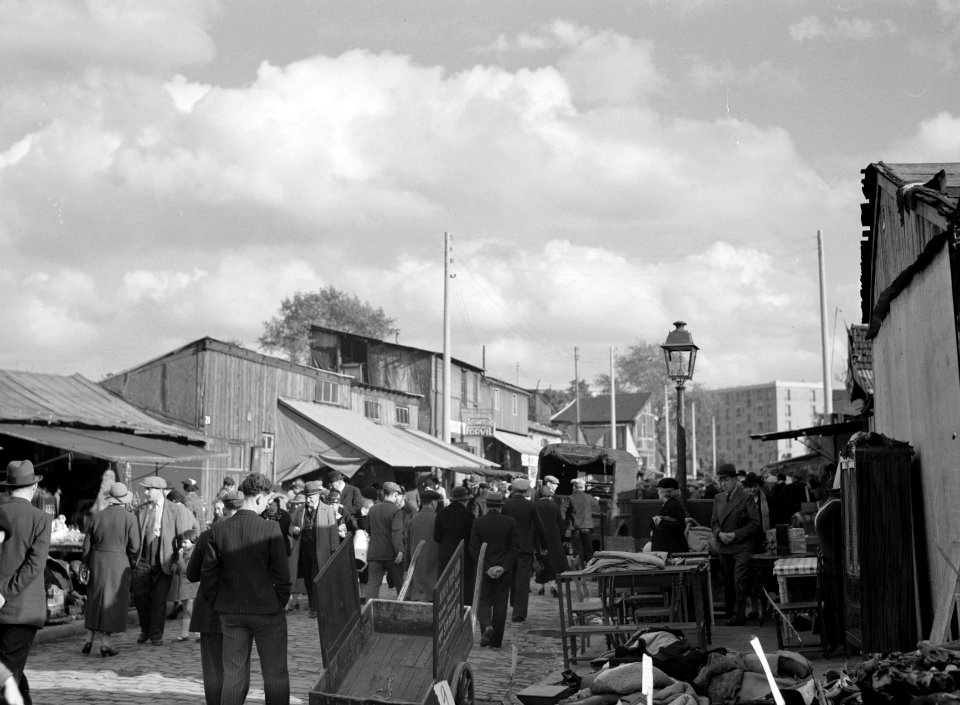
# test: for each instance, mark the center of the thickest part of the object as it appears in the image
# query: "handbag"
(83, 574)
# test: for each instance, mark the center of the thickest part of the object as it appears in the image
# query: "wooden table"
(607, 590)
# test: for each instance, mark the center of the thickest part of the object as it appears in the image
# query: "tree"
(289, 330)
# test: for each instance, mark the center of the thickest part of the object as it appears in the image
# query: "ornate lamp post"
(680, 353)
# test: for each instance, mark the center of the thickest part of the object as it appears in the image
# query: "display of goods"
(900, 677)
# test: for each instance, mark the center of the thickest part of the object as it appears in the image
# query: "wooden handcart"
(392, 651)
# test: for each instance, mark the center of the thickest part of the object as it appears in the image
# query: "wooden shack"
(910, 291)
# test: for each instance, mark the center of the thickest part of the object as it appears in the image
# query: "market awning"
(522, 444)
(115, 446)
(487, 468)
(830, 429)
(313, 434)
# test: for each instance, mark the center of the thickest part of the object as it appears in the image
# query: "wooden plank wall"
(167, 387)
(917, 398)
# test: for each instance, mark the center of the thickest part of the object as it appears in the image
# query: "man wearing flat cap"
(531, 533)
(421, 529)
(499, 532)
(581, 519)
(22, 561)
(161, 520)
(313, 530)
(386, 551)
(734, 522)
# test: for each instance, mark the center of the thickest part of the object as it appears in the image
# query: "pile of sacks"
(929, 675)
(725, 677)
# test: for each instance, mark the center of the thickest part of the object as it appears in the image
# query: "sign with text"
(447, 612)
(479, 425)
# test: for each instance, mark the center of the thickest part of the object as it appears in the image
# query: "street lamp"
(680, 353)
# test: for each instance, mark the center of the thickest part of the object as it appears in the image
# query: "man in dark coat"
(734, 523)
(452, 526)
(422, 528)
(22, 561)
(554, 526)
(351, 501)
(246, 578)
(530, 529)
(499, 532)
(668, 525)
(194, 503)
(205, 620)
(581, 518)
(385, 552)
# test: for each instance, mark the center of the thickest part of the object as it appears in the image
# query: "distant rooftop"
(597, 409)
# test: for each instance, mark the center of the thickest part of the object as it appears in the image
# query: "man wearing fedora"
(351, 501)
(313, 528)
(161, 521)
(500, 534)
(734, 522)
(22, 561)
(452, 526)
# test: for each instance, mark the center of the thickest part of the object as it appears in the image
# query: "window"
(403, 415)
(788, 395)
(266, 442)
(463, 386)
(496, 400)
(328, 392)
(788, 409)
(515, 404)
(371, 409)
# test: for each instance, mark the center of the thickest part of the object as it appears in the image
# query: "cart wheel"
(463, 688)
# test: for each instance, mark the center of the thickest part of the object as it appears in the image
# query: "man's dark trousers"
(736, 570)
(211, 663)
(15, 642)
(492, 605)
(269, 631)
(520, 588)
(150, 587)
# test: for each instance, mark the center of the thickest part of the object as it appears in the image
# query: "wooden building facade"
(910, 277)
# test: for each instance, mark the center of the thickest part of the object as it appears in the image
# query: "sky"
(173, 170)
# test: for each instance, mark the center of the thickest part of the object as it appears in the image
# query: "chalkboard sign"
(447, 612)
(338, 599)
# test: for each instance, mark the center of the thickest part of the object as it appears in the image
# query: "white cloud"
(936, 139)
(841, 29)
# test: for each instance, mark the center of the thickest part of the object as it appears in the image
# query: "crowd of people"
(745, 508)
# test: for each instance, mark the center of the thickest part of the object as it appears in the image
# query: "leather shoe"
(107, 652)
(487, 637)
(143, 638)
(86, 647)
(518, 619)
(736, 622)
(157, 642)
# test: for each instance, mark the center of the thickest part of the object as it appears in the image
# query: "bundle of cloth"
(726, 677)
(624, 560)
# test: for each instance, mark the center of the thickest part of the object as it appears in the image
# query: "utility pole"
(827, 382)
(613, 405)
(576, 387)
(445, 406)
(693, 429)
(666, 429)
(713, 433)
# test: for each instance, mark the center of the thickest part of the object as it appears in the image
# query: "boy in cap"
(385, 552)
(499, 532)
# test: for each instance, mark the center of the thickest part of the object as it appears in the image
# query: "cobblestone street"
(60, 675)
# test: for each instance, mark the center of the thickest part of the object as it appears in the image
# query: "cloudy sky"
(172, 170)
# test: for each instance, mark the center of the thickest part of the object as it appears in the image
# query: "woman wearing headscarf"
(668, 525)
(109, 549)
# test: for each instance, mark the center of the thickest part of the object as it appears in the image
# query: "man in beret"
(499, 532)
(734, 522)
(313, 528)
(531, 532)
(452, 527)
(385, 552)
(161, 521)
(351, 501)
(421, 529)
(22, 562)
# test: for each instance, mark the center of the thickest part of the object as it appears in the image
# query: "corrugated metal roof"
(597, 409)
(38, 398)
